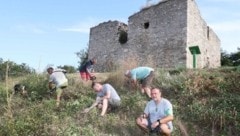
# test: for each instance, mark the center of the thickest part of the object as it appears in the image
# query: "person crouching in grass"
(157, 116)
(58, 82)
(107, 97)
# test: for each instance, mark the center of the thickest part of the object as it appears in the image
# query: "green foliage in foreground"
(206, 102)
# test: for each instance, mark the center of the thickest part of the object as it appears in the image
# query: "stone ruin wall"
(199, 33)
(105, 46)
(158, 36)
(163, 42)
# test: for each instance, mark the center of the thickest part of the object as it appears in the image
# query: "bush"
(36, 85)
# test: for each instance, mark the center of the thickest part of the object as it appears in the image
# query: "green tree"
(225, 59)
(235, 57)
(14, 69)
(232, 59)
(83, 56)
(69, 69)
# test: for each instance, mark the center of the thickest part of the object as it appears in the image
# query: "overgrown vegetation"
(68, 68)
(82, 55)
(232, 59)
(14, 69)
(206, 102)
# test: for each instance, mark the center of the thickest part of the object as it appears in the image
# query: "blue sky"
(43, 32)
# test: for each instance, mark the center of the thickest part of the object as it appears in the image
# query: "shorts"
(114, 103)
(157, 129)
(146, 82)
(60, 89)
(85, 76)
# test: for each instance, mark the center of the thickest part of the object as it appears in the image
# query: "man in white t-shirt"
(57, 81)
(106, 96)
(158, 115)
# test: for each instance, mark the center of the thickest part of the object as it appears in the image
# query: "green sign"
(194, 51)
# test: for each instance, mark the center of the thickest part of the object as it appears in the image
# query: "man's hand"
(154, 125)
(143, 116)
(92, 76)
(86, 110)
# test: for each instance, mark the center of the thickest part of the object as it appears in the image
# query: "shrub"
(36, 85)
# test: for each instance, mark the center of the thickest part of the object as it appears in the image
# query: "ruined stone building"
(159, 35)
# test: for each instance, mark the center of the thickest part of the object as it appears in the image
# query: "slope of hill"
(206, 102)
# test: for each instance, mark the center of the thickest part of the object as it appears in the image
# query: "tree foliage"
(69, 69)
(232, 59)
(14, 69)
(83, 56)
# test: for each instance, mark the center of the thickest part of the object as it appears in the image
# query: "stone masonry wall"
(163, 42)
(199, 33)
(104, 44)
(158, 36)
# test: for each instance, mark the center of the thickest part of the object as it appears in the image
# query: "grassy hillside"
(206, 102)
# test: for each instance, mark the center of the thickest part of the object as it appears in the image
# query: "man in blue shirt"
(158, 115)
(143, 75)
(86, 70)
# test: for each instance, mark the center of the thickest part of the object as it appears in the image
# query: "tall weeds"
(9, 96)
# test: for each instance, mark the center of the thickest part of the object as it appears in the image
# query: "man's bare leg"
(148, 91)
(165, 129)
(141, 125)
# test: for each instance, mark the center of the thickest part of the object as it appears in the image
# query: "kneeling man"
(158, 115)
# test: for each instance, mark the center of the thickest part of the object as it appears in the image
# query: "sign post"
(194, 51)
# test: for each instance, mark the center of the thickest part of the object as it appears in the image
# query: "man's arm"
(166, 119)
(50, 85)
(162, 121)
(135, 84)
(107, 96)
(98, 99)
(89, 68)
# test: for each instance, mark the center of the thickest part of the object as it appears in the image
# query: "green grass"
(206, 102)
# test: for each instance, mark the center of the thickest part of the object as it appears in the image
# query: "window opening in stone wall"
(146, 25)
(208, 32)
(123, 37)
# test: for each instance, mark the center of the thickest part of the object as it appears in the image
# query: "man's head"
(50, 70)
(96, 86)
(156, 94)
